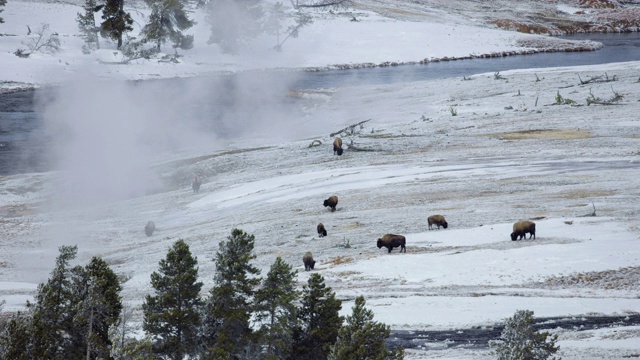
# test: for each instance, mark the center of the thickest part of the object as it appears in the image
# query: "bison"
(331, 202)
(149, 228)
(437, 220)
(521, 228)
(308, 261)
(195, 185)
(337, 146)
(391, 241)
(321, 230)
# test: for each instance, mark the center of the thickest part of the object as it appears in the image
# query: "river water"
(24, 143)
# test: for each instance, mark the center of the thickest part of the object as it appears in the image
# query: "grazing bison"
(195, 185)
(308, 261)
(437, 220)
(337, 146)
(321, 230)
(521, 228)
(331, 202)
(391, 241)
(149, 228)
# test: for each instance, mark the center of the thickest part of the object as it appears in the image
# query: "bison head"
(514, 236)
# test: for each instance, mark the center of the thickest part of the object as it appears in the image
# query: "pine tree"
(227, 333)
(233, 21)
(362, 338)
(166, 22)
(14, 338)
(276, 311)
(51, 313)
(87, 26)
(171, 315)
(2, 3)
(96, 290)
(520, 341)
(318, 320)
(116, 21)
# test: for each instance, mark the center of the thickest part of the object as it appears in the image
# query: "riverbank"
(380, 36)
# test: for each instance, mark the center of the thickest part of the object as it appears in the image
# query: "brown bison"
(308, 261)
(195, 185)
(521, 228)
(391, 241)
(437, 220)
(337, 146)
(321, 230)
(149, 228)
(331, 202)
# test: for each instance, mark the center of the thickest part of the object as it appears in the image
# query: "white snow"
(508, 155)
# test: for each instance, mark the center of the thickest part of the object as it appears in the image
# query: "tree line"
(231, 23)
(78, 313)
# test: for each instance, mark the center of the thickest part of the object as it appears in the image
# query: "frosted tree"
(14, 338)
(87, 26)
(276, 310)
(96, 293)
(167, 21)
(52, 310)
(228, 309)
(2, 3)
(318, 320)
(276, 22)
(520, 341)
(172, 315)
(116, 22)
(362, 338)
(233, 21)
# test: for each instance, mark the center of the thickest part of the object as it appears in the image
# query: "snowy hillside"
(485, 151)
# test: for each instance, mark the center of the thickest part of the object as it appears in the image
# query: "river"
(23, 142)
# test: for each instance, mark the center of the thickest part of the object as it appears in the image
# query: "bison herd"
(389, 241)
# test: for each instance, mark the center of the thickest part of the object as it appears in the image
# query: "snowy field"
(484, 151)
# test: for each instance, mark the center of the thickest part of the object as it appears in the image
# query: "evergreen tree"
(276, 311)
(87, 26)
(116, 21)
(233, 21)
(171, 315)
(97, 308)
(14, 338)
(362, 338)
(318, 321)
(166, 22)
(51, 313)
(520, 341)
(2, 3)
(228, 309)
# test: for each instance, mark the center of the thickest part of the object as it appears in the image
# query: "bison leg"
(403, 248)
(390, 248)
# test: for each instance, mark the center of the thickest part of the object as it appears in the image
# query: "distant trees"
(87, 26)
(362, 338)
(2, 3)
(116, 21)
(520, 341)
(172, 315)
(232, 22)
(166, 22)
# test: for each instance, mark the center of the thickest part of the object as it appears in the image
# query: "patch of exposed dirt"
(626, 278)
(551, 134)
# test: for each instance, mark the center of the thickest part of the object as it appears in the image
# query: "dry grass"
(340, 260)
(582, 194)
(551, 134)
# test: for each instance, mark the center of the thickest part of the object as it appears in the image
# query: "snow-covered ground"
(509, 153)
